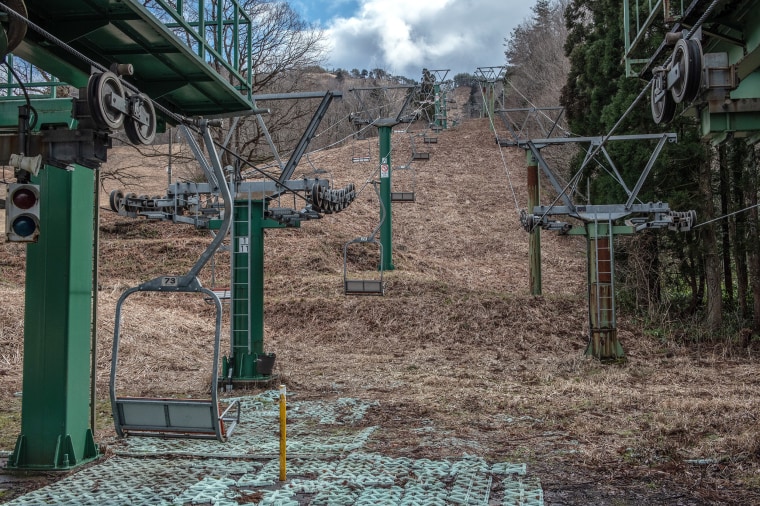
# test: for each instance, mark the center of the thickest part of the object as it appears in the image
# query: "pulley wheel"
(130, 207)
(100, 89)
(116, 201)
(663, 106)
(315, 197)
(138, 132)
(16, 27)
(688, 57)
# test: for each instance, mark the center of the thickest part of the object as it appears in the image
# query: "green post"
(603, 339)
(491, 103)
(247, 357)
(438, 110)
(247, 288)
(444, 109)
(384, 127)
(534, 240)
(55, 407)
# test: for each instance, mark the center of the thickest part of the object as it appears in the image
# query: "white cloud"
(405, 36)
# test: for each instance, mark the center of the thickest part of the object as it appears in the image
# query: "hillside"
(457, 345)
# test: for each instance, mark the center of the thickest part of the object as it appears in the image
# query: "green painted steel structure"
(441, 118)
(175, 49)
(604, 343)
(384, 129)
(247, 358)
(728, 99)
(55, 424)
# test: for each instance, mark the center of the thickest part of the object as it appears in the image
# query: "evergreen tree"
(596, 96)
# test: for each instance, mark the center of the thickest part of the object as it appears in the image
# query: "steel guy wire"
(503, 159)
(726, 216)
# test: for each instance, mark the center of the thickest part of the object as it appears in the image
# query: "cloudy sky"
(405, 36)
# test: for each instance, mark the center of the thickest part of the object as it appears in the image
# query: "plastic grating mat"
(328, 469)
(257, 433)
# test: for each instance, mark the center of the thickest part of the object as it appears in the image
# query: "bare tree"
(537, 67)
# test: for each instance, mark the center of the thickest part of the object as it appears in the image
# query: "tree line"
(703, 285)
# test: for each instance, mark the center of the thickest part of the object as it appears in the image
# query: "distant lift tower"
(600, 224)
(57, 146)
(708, 62)
(521, 124)
(489, 77)
(384, 127)
(440, 119)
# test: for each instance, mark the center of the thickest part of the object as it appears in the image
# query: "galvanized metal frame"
(124, 408)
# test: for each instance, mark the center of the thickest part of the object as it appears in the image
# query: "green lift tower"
(127, 59)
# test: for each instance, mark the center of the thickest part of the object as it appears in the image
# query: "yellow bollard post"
(283, 432)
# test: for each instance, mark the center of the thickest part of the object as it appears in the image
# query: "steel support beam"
(534, 240)
(384, 128)
(55, 423)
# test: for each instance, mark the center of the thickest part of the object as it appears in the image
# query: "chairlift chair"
(179, 418)
(176, 418)
(373, 286)
(363, 286)
(417, 155)
(358, 155)
(406, 196)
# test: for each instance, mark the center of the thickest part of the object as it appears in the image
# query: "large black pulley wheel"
(102, 90)
(663, 106)
(140, 127)
(16, 30)
(315, 200)
(116, 201)
(687, 56)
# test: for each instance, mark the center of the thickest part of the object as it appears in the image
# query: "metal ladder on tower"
(602, 283)
(240, 274)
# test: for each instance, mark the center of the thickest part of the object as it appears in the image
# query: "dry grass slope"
(456, 346)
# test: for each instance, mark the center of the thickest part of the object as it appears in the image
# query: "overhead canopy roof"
(173, 65)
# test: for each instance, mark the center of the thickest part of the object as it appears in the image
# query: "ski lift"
(364, 286)
(177, 418)
(406, 196)
(184, 417)
(429, 140)
(418, 155)
(358, 153)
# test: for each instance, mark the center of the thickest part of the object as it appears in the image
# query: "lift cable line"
(367, 286)
(726, 216)
(504, 164)
(538, 109)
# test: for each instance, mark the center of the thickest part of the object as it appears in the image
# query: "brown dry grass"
(456, 346)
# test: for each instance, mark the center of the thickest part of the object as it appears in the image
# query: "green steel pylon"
(384, 128)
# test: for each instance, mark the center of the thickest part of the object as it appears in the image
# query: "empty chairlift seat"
(169, 417)
(402, 197)
(363, 286)
(417, 155)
